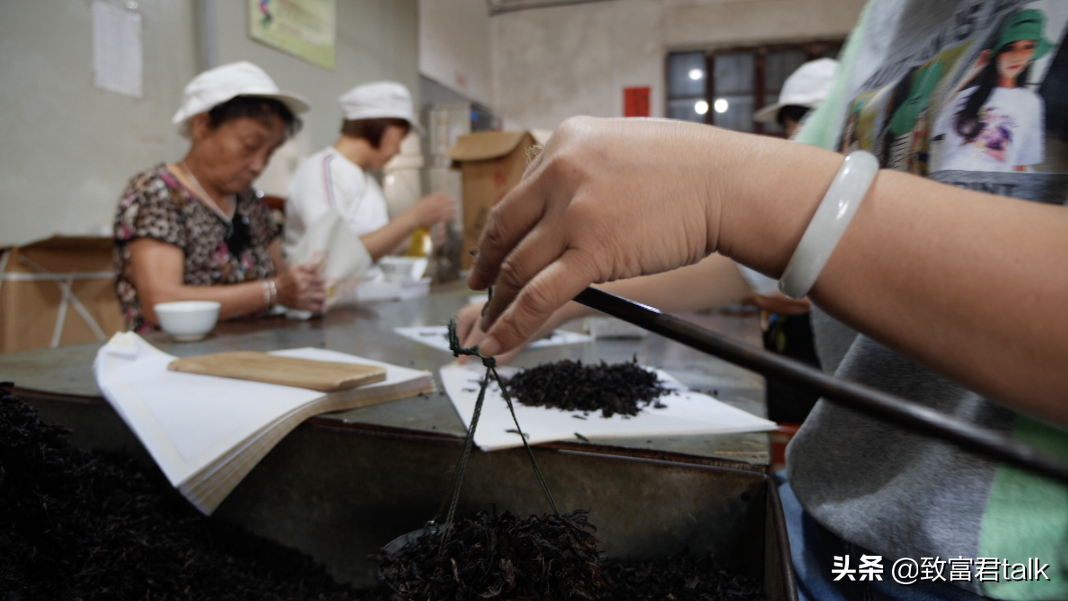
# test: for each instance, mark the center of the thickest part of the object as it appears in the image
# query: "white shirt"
(1012, 134)
(327, 179)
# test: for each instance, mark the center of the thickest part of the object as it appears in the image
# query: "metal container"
(340, 491)
(338, 494)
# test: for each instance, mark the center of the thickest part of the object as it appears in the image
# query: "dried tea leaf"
(623, 388)
(500, 556)
(75, 525)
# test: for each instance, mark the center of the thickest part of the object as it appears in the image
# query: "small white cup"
(187, 321)
(402, 269)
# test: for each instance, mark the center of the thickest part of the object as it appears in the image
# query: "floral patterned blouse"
(155, 205)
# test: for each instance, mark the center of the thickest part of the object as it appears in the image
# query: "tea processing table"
(343, 484)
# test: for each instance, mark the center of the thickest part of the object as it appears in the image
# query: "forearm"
(968, 284)
(235, 299)
(712, 282)
(389, 237)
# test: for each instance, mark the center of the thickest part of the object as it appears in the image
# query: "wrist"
(270, 293)
(412, 218)
(777, 186)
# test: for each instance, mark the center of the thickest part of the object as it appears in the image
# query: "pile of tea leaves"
(75, 525)
(624, 388)
(499, 556)
(679, 578)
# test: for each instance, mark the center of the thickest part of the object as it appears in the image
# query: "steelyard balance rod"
(908, 414)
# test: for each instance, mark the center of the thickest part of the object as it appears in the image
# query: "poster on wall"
(307, 29)
(117, 56)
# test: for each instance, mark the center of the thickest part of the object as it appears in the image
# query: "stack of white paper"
(207, 433)
(686, 412)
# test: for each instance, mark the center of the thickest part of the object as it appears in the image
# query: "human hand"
(301, 287)
(607, 199)
(777, 302)
(435, 208)
(470, 333)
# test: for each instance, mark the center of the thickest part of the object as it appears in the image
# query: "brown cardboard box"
(492, 164)
(56, 292)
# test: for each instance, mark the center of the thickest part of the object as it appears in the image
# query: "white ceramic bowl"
(187, 320)
(402, 269)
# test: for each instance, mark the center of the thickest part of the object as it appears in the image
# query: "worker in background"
(195, 229)
(377, 117)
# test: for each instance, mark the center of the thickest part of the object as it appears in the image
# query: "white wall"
(67, 149)
(553, 63)
(455, 46)
(376, 39)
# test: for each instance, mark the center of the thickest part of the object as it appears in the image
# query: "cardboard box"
(491, 164)
(56, 292)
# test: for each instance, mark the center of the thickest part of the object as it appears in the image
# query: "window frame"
(813, 50)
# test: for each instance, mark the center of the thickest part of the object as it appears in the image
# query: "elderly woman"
(195, 229)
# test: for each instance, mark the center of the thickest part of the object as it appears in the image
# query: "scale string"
(461, 466)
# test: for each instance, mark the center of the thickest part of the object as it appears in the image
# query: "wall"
(455, 46)
(376, 39)
(553, 63)
(69, 148)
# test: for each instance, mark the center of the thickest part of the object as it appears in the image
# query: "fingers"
(546, 292)
(506, 358)
(524, 206)
(438, 208)
(467, 322)
(467, 329)
(305, 287)
(537, 250)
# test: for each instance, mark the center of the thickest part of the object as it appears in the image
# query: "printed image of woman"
(995, 123)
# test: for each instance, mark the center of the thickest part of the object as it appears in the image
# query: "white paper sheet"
(437, 337)
(117, 56)
(687, 412)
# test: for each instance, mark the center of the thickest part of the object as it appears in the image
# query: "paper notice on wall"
(117, 56)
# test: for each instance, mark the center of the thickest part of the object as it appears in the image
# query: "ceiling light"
(696, 74)
(701, 107)
(721, 105)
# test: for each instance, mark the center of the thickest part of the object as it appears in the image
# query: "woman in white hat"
(196, 229)
(377, 117)
(802, 91)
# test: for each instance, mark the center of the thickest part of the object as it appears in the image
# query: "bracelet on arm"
(836, 210)
(266, 294)
(274, 293)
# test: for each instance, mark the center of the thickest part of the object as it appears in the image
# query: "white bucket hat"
(215, 86)
(381, 99)
(807, 87)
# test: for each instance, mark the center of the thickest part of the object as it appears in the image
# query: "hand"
(439, 235)
(606, 199)
(301, 287)
(778, 302)
(470, 334)
(435, 208)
